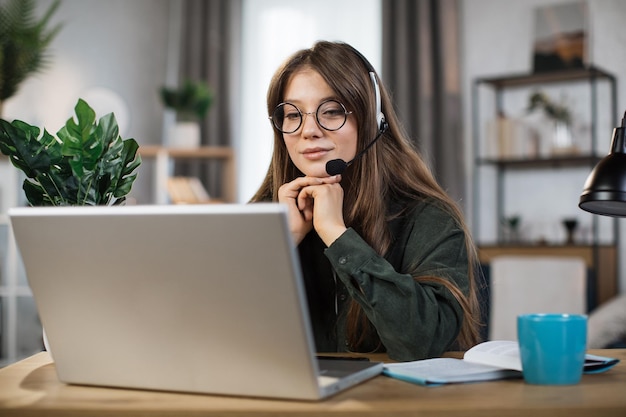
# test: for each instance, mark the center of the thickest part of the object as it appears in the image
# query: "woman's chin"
(317, 170)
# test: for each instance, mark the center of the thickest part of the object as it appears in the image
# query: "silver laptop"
(202, 298)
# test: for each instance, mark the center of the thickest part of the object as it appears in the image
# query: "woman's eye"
(332, 112)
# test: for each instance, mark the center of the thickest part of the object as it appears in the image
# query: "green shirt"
(412, 320)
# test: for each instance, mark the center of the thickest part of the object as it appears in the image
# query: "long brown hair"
(392, 168)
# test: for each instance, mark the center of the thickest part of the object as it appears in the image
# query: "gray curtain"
(421, 69)
(210, 45)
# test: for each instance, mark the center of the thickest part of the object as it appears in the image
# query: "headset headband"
(380, 117)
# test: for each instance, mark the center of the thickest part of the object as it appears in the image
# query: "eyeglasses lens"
(331, 115)
(287, 118)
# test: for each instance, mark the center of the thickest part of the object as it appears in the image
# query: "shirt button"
(343, 260)
(342, 297)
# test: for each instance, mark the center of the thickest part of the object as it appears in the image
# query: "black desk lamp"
(605, 189)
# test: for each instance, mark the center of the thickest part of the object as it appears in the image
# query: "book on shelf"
(487, 361)
(187, 190)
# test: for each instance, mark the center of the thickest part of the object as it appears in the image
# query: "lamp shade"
(605, 189)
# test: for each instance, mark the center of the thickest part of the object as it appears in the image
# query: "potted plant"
(556, 112)
(87, 163)
(561, 120)
(191, 102)
(24, 42)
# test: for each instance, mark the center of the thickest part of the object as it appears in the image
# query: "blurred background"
(445, 63)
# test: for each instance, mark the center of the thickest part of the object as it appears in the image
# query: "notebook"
(198, 298)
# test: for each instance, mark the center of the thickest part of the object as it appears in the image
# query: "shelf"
(553, 162)
(535, 247)
(493, 94)
(203, 152)
(164, 156)
(523, 80)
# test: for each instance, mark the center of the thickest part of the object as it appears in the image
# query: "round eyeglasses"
(330, 115)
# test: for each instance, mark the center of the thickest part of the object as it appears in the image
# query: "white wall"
(497, 40)
(273, 30)
(116, 45)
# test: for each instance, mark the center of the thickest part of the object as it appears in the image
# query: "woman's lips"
(315, 153)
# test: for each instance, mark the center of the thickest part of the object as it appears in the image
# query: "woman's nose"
(310, 127)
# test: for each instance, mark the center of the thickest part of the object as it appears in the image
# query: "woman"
(387, 260)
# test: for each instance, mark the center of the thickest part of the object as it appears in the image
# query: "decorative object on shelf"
(570, 224)
(24, 43)
(512, 233)
(560, 37)
(554, 111)
(87, 163)
(605, 189)
(191, 102)
(562, 140)
(187, 190)
(509, 138)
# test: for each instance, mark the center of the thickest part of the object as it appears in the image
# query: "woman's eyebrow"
(323, 99)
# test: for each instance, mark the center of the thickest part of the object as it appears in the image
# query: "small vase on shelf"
(512, 232)
(185, 135)
(570, 225)
(563, 140)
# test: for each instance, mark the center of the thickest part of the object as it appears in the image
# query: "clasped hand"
(314, 203)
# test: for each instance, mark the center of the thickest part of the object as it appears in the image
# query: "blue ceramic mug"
(552, 347)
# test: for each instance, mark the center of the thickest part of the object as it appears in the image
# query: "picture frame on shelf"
(561, 37)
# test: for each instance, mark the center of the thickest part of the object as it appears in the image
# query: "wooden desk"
(31, 388)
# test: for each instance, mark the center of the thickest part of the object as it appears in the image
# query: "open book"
(484, 362)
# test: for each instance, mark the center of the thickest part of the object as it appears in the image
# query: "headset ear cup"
(382, 123)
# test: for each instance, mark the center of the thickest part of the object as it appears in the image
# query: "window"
(273, 30)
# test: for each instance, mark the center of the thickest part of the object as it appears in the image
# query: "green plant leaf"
(131, 161)
(24, 42)
(539, 100)
(83, 145)
(87, 163)
(191, 101)
(108, 130)
(40, 158)
(19, 142)
(35, 193)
